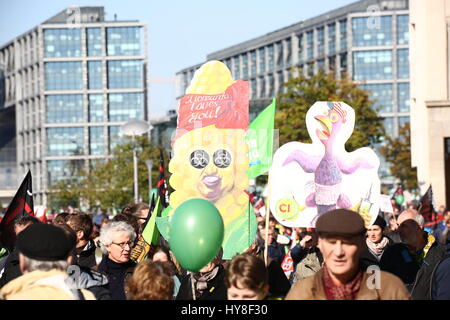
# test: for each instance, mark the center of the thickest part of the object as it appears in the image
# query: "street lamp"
(135, 128)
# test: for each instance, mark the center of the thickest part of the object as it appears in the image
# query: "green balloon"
(399, 199)
(196, 233)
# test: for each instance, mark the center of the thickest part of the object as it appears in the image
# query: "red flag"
(21, 205)
(162, 184)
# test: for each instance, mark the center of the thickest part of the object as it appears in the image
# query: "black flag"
(21, 205)
(426, 206)
(163, 191)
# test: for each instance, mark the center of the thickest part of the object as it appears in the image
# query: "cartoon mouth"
(211, 181)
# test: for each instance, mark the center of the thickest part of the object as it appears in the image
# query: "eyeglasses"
(123, 244)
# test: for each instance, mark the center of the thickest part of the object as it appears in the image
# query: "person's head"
(375, 231)
(72, 236)
(161, 254)
(410, 228)
(272, 222)
(130, 219)
(116, 240)
(270, 234)
(217, 260)
(44, 247)
(139, 210)
(21, 223)
(61, 218)
(341, 240)
(246, 278)
(150, 281)
(82, 224)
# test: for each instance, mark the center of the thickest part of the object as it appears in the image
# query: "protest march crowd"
(71, 257)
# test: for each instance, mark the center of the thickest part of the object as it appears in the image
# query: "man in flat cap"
(341, 240)
(44, 256)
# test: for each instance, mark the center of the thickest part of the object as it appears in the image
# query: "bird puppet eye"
(222, 158)
(334, 117)
(325, 112)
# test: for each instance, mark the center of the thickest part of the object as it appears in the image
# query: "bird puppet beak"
(326, 125)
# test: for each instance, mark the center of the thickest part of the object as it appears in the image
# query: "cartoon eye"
(199, 159)
(334, 117)
(325, 112)
(222, 158)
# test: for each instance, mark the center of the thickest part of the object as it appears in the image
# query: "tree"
(110, 182)
(397, 152)
(303, 92)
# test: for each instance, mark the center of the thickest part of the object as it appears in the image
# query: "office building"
(368, 39)
(73, 81)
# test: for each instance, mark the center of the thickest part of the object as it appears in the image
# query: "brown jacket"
(391, 288)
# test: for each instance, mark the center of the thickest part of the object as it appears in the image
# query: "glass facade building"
(73, 100)
(371, 46)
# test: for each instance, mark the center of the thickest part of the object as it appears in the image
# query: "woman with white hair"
(117, 239)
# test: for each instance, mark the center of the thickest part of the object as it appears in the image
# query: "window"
(301, 56)
(95, 108)
(94, 42)
(280, 77)
(123, 41)
(331, 38)
(253, 63)
(254, 88)
(367, 32)
(65, 141)
(403, 29)
(245, 66)
(389, 126)
(403, 97)
(321, 64)
(382, 96)
(271, 57)
(309, 45)
(403, 63)
(288, 53)
(62, 43)
(64, 108)
(126, 106)
(402, 121)
(95, 75)
(63, 76)
(280, 61)
(125, 74)
(115, 137)
(237, 68)
(271, 89)
(61, 170)
(321, 42)
(96, 141)
(372, 65)
(343, 34)
(262, 87)
(262, 60)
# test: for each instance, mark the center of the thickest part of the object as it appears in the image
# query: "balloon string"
(193, 287)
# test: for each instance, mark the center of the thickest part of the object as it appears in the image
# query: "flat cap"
(44, 242)
(341, 222)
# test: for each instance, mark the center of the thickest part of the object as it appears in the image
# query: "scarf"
(346, 291)
(377, 248)
(201, 280)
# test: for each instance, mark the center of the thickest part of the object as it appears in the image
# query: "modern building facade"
(73, 80)
(368, 39)
(430, 96)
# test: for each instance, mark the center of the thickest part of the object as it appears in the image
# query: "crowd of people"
(77, 257)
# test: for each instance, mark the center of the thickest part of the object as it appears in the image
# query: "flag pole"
(266, 245)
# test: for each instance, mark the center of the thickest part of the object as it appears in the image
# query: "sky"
(180, 33)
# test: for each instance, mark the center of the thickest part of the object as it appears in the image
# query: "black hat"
(44, 242)
(379, 221)
(340, 222)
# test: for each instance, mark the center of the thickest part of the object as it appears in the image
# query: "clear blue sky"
(181, 33)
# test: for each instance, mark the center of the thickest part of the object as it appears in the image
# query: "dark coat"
(216, 289)
(367, 258)
(86, 258)
(440, 286)
(276, 252)
(398, 260)
(279, 284)
(12, 268)
(94, 281)
(117, 274)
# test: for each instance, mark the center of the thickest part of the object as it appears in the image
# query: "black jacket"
(12, 268)
(398, 260)
(216, 289)
(367, 258)
(87, 257)
(117, 274)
